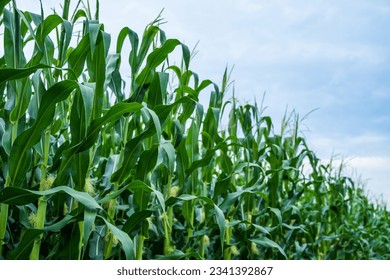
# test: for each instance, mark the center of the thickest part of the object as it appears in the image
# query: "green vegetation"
(92, 167)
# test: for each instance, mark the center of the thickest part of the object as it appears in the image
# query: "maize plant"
(99, 164)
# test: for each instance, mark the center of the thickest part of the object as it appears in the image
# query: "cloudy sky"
(333, 56)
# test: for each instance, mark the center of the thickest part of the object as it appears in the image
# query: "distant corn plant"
(96, 166)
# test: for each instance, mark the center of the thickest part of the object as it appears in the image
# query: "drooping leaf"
(10, 74)
(268, 243)
(123, 238)
(19, 196)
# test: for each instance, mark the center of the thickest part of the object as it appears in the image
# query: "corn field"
(98, 163)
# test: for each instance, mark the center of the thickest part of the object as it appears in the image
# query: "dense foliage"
(92, 167)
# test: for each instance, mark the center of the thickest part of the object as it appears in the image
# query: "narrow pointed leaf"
(9, 74)
(124, 239)
(268, 243)
(20, 156)
(19, 196)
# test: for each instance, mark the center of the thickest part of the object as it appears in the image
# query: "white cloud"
(348, 145)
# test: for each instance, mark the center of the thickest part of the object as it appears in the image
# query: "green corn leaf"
(89, 222)
(48, 25)
(278, 214)
(78, 56)
(221, 187)
(188, 110)
(146, 163)
(141, 198)
(112, 116)
(182, 161)
(133, 37)
(78, 122)
(97, 71)
(261, 229)
(10, 74)
(184, 197)
(68, 219)
(204, 161)
(232, 197)
(268, 243)
(136, 184)
(39, 89)
(111, 67)
(3, 3)
(177, 133)
(153, 60)
(124, 239)
(87, 94)
(135, 220)
(156, 57)
(163, 111)
(177, 71)
(186, 56)
(142, 195)
(220, 218)
(158, 90)
(22, 102)
(13, 51)
(190, 199)
(116, 84)
(168, 150)
(20, 157)
(22, 252)
(210, 127)
(179, 255)
(19, 196)
(156, 122)
(132, 152)
(81, 115)
(93, 28)
(80, 166)
(204, 84)
(147, 40)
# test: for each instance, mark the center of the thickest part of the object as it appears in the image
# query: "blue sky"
(330, 55)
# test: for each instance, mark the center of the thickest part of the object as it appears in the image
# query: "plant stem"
(42, 201)
(108, 246)
(167, 238)
(3, 225)
(168, 221)
(81, 229)
(227, 253)
(41, 215)
(5, 207)
(140, 246)
(108, 241)
(201, 246)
